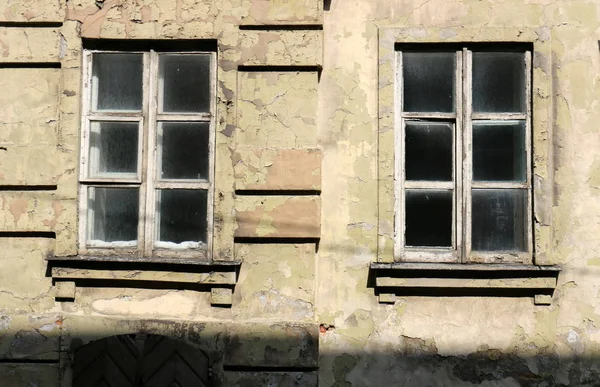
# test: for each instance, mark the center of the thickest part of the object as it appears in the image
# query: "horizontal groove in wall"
(255, 192)
(268, 240)
(282, 27)
(48, 187)
(271, 68)
(14, 24)
(242, 368)
(29, 361)
(30, 65)
(27, 234)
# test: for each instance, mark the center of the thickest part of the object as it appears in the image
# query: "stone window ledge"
(218, 277)
(391, 280)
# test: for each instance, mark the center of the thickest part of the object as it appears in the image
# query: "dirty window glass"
(185, 83)
(429, 151)
(499, 220)
(428, 81)
(184, 150)
(182, 215)
(428, 218)
(499, 151)
(498, 82)
(113, 215)
(113, 148)
(117, 82)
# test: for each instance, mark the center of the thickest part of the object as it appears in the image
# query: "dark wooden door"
(139, 361)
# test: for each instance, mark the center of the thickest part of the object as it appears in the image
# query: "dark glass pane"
(113, 214)
(428, 218)
(113, 147)
(184, 147)
(186, 83)
(499, 218)
(117, 83)
(428, 80)
(498, 82)
(499, 151)
(182, 215)
(428, 151)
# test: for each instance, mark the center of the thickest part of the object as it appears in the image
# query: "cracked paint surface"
(29, 45)
(467, 341)
(278, 217)
(277, 169)
(266, 112)
(277, 109)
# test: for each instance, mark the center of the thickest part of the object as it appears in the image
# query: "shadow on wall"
(269, 355)
(484, 368)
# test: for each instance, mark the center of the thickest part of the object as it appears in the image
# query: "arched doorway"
(139, 361)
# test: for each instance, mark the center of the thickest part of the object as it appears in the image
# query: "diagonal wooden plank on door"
(196, 360)
(173, 363)
(87, 356)
(174, 372)
(158, 350)
(187, 375)
(124, 353)
(109, 362)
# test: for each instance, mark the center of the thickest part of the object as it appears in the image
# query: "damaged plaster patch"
(362, 225)
(272, 301)
(342, 366)
(4, 322)
(572, 337)
(31, 342)
(543, 33)
(48, 327)
(172, 303)
(62, 47)
(17, 208)
(362, 257)
(447, 33)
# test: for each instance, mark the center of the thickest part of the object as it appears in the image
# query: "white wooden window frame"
(146, 178)
(460, 251)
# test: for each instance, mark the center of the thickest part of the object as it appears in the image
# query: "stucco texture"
(301, 80)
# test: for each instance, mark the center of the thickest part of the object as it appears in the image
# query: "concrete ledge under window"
(217, 277)
(447, 280)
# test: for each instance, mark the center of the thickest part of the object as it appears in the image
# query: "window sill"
(218, 277)
(454, 280)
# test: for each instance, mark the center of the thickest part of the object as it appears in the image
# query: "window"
(463, 154)
(146, 176)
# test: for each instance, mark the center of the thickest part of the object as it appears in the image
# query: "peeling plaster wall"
(431, 341)
(325, 115)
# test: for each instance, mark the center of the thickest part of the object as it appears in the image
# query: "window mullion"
(212, 149)
(528, 151)
(466, 153)
(147, 211)
(400, 216)
(85, 124)
(84, 216)
(457, 158)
